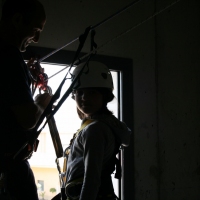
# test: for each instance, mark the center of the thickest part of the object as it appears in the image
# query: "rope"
(92, 27)
(137, 25)
(120, 35)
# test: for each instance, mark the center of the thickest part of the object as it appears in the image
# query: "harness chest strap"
(67, 150)
(88, 121)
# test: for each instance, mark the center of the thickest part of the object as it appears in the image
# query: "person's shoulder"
(8, 50)
(96, 129)
(98, 124)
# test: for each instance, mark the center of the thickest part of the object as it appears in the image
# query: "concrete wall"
(166, 66)
(166, 107)
(178, 61)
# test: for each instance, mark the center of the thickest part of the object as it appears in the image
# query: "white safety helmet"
(95, 74)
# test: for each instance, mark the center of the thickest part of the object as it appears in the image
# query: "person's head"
(26, 20)
(93, 90)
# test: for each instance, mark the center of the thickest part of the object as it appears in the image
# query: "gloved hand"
(42, 100)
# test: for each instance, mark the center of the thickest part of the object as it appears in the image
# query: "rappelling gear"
(94, 75)
(67, 150)
(106, 191)
(73, 189)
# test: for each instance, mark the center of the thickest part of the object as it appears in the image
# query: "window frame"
(125, 98)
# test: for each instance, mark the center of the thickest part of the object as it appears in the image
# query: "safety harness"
(106, 191)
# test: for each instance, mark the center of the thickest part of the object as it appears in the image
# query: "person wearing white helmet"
(92, 151)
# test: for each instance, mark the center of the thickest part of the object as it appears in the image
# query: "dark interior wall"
(166, 104)
(164, 158)
(178, 61)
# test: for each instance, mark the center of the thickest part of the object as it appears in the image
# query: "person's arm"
(94, 149)
(17, 93)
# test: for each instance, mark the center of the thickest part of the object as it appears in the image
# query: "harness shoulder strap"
(67, 150)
